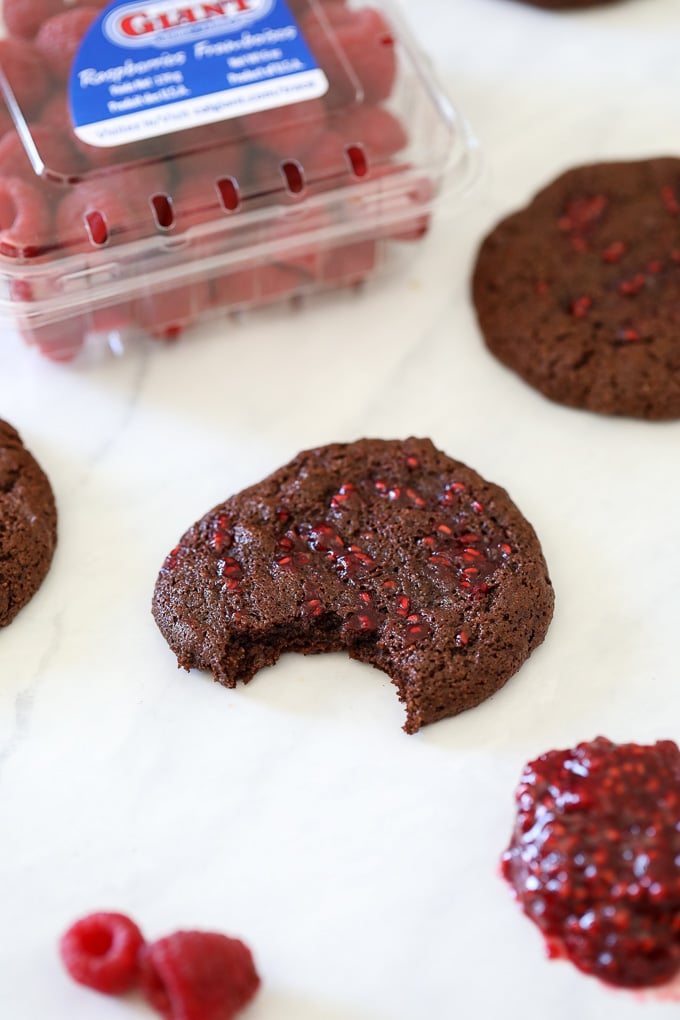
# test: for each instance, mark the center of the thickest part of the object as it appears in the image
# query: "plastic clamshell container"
(129, 205)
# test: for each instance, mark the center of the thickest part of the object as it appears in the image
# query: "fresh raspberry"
(58, 39)
(165, 314)
(224, 158)
(139, 183)
(197, 200)
(420, 197)
(301, 7)
(21, 289)
(377, 130)
(6, 122)
(208, 136)
(195, 975)
(288, 131)
(364, 39)
(261, 174)
(102, 951)
(101, 157)
(56, 114)
(23, 18)
(112, 207)
(295, 265)
(267, 174)
(222, 132)
(296, 237)
(374, 131)
(137, 180)
(408, 212)
(111, 318)
(52, 146)
(26, 73)
(349, 264)
(25, 222)
(249, 288)
(56, 341)
(94, 213)
(325, 161)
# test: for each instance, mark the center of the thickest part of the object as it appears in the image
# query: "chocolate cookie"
(28, 524)
(559, 5)
(390, 550)
(579, 292)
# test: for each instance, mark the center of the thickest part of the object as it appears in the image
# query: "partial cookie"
(390, 550)
(558, 5)
(28, 524)
(579, 292)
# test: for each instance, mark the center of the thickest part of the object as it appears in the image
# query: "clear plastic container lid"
(165, 160)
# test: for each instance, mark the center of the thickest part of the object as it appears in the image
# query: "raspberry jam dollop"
(594, 858)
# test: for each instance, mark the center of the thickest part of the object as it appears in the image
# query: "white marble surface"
(361, 864)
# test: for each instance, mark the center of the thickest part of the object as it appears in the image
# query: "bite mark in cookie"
(390, 550)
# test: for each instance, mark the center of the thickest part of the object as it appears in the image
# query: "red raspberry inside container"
(202, 181)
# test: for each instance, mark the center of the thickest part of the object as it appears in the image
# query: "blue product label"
(148, 69)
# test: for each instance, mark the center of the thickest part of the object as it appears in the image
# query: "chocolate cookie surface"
(28, 524)
(579, 292)
(559, 5)
(390, 550)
